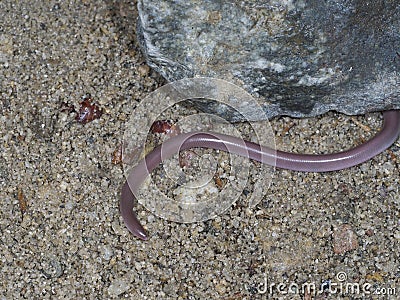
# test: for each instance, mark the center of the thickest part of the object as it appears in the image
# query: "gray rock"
(298, 58)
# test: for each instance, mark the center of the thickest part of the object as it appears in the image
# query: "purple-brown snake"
(292, 161)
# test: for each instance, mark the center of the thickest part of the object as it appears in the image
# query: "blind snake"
(292, 161)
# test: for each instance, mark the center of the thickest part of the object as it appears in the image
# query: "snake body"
(299, 162)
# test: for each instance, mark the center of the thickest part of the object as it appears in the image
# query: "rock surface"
(299, 58)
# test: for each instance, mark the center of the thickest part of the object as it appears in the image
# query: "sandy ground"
(62, 236)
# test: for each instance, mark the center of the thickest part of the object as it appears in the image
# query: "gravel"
(62, 236)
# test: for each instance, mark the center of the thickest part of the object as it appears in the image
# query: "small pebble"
(143, 70)
(344, 239)
(117, 287)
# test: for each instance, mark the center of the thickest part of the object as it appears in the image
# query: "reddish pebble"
(88, 111)
(344, 239)
(117, 156)
(23, 204)
(185, 158)
(369, 232)
(161, 126)
(165, 127)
